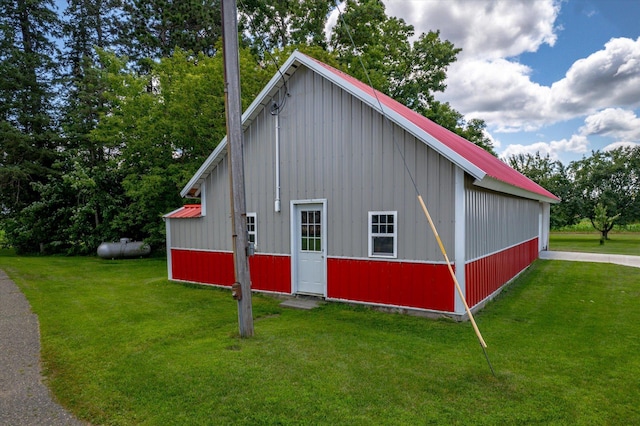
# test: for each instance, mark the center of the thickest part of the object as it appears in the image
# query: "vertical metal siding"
(501, 239)
(203, 267)
(213, 231)
(412, 285)
(269, 273)
(495, 221)
(487, 274)
(334, 147)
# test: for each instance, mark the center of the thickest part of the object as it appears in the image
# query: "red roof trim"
(186, 211)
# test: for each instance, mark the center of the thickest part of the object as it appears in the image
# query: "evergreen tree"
(84, 193)
(154, 28)
(89, 24)
(28, 131)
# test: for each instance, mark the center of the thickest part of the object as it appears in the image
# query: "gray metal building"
(330, 167)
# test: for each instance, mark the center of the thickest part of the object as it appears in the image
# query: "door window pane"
(311, 230)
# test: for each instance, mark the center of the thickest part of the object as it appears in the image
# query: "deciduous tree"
(602, 222)
(272, 25)
(165, 124)
(553, 176)
(610, 178)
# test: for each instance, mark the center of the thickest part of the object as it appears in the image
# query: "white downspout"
(277, 203)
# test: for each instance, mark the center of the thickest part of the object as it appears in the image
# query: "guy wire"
(375, 93)
(276, 107)
(415, 186)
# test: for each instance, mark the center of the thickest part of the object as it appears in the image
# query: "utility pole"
(241, 290)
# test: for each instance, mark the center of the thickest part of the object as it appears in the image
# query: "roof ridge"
(480, 164)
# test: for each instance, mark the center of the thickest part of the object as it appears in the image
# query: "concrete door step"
(306, 304)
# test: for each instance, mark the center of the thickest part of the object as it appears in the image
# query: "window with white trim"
(383, 234)
(252, 229)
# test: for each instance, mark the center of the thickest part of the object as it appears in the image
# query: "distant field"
(619, 242)
(585, 226)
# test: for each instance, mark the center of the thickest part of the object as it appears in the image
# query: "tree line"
(603, 187)
(108, 107)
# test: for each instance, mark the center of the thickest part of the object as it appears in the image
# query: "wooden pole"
(453, 275)
(233, 107)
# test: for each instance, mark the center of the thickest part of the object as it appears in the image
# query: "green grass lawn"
(618, 243)
(122, 345)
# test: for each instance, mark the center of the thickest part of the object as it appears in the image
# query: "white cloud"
(485, 29)
(616, 145)
(617, 123)
(607, 77)
(495, 142)
(502, 93)
(332, 20)
(483, 83)
(614, 122)
(499, 92)
(576, 144)
(487, 84)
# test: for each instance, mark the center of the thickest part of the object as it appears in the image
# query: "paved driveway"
(618, 259)
(24, 398)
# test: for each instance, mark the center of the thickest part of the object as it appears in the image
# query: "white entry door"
(309, 247)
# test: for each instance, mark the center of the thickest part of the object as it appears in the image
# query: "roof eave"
(192, 188)
(493, 184)
(171, 213)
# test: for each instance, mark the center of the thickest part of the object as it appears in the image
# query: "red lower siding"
(486, 275)
(268, 272)
(204, 267)
(415, 285)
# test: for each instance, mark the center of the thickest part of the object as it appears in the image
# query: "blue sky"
(561, 77)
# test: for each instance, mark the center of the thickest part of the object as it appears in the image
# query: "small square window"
(383, 241)
(252, 229)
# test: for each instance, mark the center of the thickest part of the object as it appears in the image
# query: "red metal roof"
(477, 156)
(186, 211)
